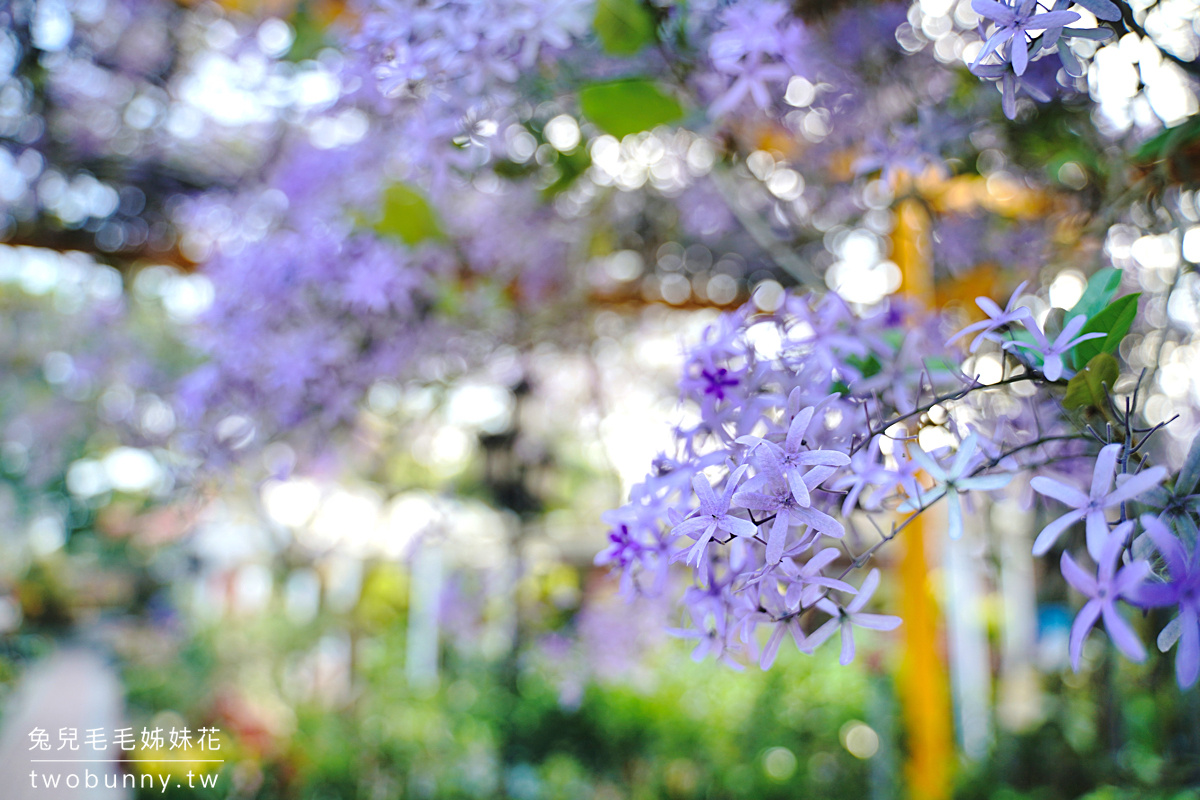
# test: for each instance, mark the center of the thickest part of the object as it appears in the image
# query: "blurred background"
(403, 602)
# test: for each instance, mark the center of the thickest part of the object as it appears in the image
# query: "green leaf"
(628, 106)
(867, 367)
(1114, 321)
(309, 37)
(407, 215)
(624, 26)
(1089, 387)
(1100, 289)
(570, 167)
(507, 168)
(1161, 146)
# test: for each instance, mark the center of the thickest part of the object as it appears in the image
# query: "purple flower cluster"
(757, 49)
(1049, 354)
(778, 455)
(319, 292)
(341, 314)
(806, 426)
(1176, 585)
(1020, 31)
(462, 50)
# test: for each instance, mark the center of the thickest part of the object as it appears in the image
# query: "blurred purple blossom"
(844, 618)
(1103, 590)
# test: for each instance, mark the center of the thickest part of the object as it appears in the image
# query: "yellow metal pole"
(923, 681)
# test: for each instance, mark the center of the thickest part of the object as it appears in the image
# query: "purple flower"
(997, 318)
(865, 471)
(807, 584)
(795, 455)
(770, 491)
(952, 481)
(1010, 83)
(1014, 22)
(636, 545)
(753, 47)
(789, 624)
(1091, 507)
(911, 149)
(1103, 591)
(713, 515)
(844, 618)
(710, 628)
(1183, 590)
(1052, 352)
(1177, 506)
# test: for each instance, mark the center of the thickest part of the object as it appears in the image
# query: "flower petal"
(772, 648)
(869, 585)
(1097, 534)
(697, 551)
(1020, 60)
(847, 655)
(1079, 630)
(927, 463)
(1122, 635)
(1187, 660)
(797, 429)
(994, 10)
(985, 483)
(1102, 476)
(1170, 634)
(1132, 487)
(737, 526)
(962, 458)
(704, 491)
(1052, 366)
(799, 488)
(1061, 492)
(818, 637)
(1170, 547)
(777, 539)
(876, 622)
(1077, 576)
(820, 521)
(1049, 535)
(954, 515)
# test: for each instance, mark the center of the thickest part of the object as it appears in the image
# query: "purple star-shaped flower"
(952, 481)
(773, 609)
(865, 472)
(794, 456)
(1103, 591)
(713, 515)
(844, 618)
(1015, 21)
(1010, 82)
(1091, 507)
(1183, 590)
(1052, 352)
(997, 318)
(770, 491)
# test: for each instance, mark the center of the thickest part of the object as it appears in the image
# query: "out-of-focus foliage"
(297, 728)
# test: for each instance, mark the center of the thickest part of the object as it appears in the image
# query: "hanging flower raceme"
(761, 512)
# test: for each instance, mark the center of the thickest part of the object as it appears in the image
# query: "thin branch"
(937, 401)
(764, 237)
(1035, 443)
